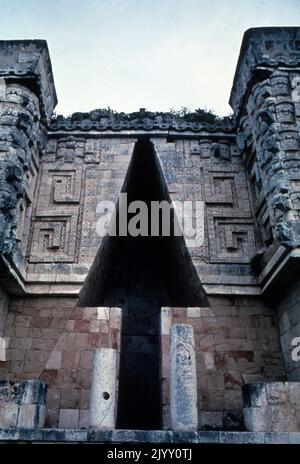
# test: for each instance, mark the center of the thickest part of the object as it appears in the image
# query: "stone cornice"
(106, 121)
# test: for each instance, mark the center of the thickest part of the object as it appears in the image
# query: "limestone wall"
(237, 342)
(53, 339)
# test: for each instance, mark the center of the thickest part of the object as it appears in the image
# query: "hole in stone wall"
(106, 395)
(142, 274)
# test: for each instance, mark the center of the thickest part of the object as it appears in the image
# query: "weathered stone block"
(31, 416)
(76, 435)
(34, 392)
(211, 420)
(271, 407)
(68, 418)
(9, 414)
(254, 394)
(165, 321)
(22, 403)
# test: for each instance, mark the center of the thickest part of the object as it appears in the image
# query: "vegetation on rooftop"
(199, 115)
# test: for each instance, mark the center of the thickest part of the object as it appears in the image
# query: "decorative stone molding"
(106, 120)
(265, 98)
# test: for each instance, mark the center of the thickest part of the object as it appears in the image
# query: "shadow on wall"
(142, 274)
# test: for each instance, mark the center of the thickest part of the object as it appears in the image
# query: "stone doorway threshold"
(145, 436)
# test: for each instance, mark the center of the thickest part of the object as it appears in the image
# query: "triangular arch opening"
(142, 274)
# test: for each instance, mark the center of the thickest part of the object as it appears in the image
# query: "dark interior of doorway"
(142, 274)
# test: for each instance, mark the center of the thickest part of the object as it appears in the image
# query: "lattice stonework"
(225, 188)
(59, 188)
(231, 232)
(54, 229)
(54, 239)
(231, 240)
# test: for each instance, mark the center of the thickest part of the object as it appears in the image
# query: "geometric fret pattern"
(54, 228)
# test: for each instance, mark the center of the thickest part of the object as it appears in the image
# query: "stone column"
(103, 390)
(183, 380)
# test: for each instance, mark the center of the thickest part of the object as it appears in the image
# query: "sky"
(153, 54)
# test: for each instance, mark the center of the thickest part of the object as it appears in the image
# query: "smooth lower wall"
(236, 342)
(53, 339)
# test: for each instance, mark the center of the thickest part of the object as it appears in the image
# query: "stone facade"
(66, 293)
